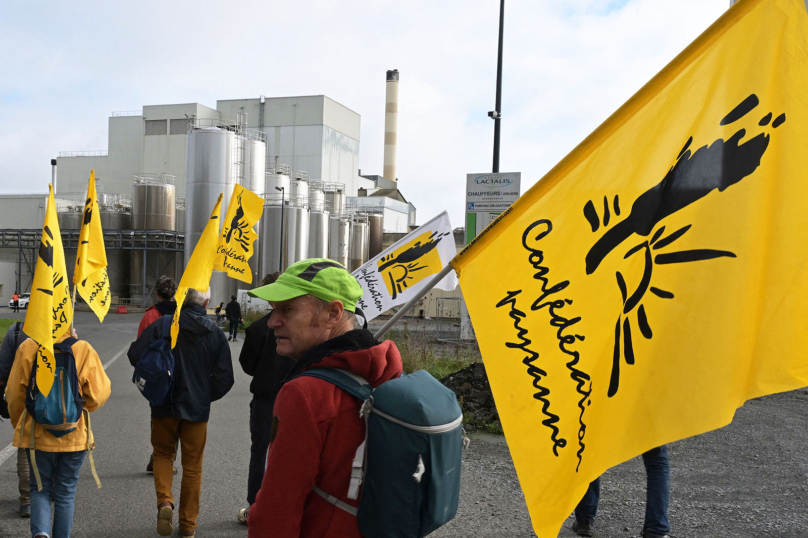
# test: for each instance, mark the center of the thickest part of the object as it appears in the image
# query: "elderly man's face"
(299, 325)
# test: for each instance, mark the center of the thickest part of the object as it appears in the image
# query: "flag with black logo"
(90, 275)
(657, 277)
(238, 234)
(50, 312)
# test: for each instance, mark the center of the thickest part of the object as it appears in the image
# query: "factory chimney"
(53, 175)
(391, 125)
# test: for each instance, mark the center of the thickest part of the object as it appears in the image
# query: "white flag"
(395, 276)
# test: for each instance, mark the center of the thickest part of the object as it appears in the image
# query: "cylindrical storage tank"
(300, 193)
(318, 234)
(296, 234)
(270, 238)
(255, 176)
(153, 208)
(118, 261)
(316, 200)
(359, 245)
(275, 181)
(335, 199)
(210, 172)
(376, 235)
(180, 215)
(339, 239)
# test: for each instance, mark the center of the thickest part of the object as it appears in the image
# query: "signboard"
(488, 195)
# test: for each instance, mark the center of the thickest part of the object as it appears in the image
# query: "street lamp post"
(496, 114)
(283, 200)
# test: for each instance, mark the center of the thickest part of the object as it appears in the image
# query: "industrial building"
(166, 165)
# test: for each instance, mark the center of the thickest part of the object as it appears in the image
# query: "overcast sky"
(568, 65)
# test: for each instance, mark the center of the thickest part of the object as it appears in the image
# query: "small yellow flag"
(236, 241)
(50, 312)
(657, 277)
(200, 267)
(90, 275)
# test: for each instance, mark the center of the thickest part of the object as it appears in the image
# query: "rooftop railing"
(98, 153)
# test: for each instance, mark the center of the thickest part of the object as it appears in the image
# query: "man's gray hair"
(347, 315)
(196, 297)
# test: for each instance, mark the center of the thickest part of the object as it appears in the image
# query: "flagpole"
(418, 296)
(72, 320)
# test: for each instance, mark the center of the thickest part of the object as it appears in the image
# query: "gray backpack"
(408, 467)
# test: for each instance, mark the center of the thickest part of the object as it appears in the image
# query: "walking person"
(54, 461)
(219, 312)
(316, 427)
(16, 299)
(260, 360)
(165, 288)
(11, 342)
(203, 373)
(233, 311)
(657, 469)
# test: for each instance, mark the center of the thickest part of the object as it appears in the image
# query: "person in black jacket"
(14, 337)
(233, 311)
(268, 370)
(203, 373)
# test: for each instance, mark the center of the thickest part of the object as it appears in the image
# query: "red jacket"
(317, 432)
(155, 312)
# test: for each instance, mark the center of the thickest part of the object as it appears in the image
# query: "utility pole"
(496, 114)
(283, 196)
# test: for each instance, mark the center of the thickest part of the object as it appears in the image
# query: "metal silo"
(335, 197)
(376, 235)
(318, 234)
(270, 238)
(255, 180)
(70, 220)
(359, 243)
(277, 179)
(153, 208)
(210, 172)
(296, 234)
(118, 260)
(179, 215)
(339, 238)
(300, 193)
(316, 195)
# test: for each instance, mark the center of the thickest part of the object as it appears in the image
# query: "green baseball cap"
(322, 278)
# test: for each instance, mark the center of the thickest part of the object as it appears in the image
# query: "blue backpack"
(409, 464)
(154, 372)
(59, 411)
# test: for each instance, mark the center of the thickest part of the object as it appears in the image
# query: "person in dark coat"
(316, 427)
(268, 369)
(14, 337)
(203, 373)
(233, 311)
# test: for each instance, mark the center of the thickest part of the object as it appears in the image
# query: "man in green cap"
(316, 429)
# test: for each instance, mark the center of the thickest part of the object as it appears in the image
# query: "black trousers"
(260, 429)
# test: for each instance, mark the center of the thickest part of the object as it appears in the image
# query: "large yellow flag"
(50, 312)
(90, 275)
(236, 241)
(657, 277)
(200, 266)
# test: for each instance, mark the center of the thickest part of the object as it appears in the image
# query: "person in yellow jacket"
(58, 459)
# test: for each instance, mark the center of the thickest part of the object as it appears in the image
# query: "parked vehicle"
(24, 298)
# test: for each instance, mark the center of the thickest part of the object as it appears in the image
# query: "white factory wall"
(23, 210)
(8, 282)
(395, 221)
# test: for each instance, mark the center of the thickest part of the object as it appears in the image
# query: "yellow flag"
(90, 275)
(236, 241)
(50, 312)
(656, 278)
(200, 267)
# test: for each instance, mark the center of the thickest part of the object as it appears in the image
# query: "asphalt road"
(748, 480)
(126, 505)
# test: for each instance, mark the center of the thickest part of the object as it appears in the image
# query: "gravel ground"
(749, 479)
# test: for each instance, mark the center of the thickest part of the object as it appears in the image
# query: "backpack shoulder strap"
(167, 320)
(17, 335)
(351, 383)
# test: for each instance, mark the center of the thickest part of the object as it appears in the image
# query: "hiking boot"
(229, 338)
(583, 527)
(165, 513)
(652, 534)
(25, 510)
(150, 466)
(243, 514)
(187, 534)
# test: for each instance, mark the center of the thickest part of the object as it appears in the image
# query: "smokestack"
(391, 125)
(53, 175)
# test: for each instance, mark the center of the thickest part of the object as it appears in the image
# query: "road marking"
(11, 449)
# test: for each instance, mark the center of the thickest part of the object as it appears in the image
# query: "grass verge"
(421, 352)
